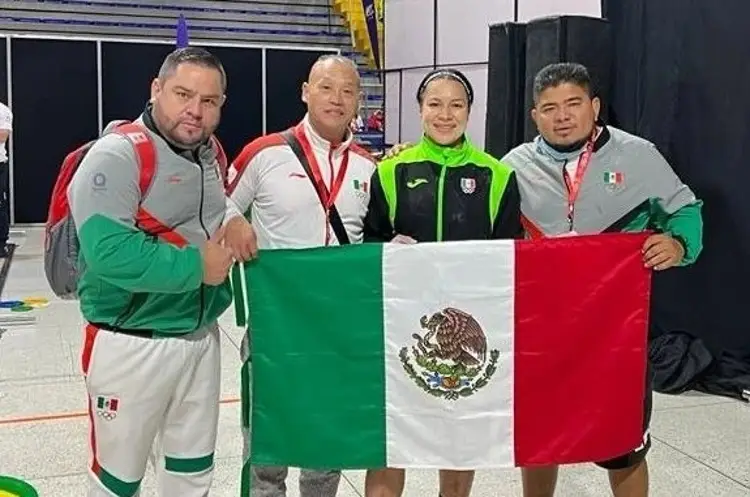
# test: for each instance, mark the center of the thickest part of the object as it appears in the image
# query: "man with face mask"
(305, 187)
(581, 177)
(152, 283)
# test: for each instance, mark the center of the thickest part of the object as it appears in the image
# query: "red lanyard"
(574, 187)
(327, 197)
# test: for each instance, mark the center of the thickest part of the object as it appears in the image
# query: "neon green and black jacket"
(436, 193)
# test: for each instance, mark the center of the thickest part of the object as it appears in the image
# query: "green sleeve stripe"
(687, 224)
(134, 261)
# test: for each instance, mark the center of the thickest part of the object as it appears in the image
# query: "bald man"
(270, 188)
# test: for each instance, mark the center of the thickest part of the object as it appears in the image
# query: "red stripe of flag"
(581, 332)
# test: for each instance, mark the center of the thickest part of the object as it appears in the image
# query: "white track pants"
(143, 388)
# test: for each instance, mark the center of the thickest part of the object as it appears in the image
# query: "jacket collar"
(602, 139)
(320, 143)
(455, 155)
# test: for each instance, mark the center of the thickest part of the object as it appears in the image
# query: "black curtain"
(3, 72)
(55, 110)
(286, 71)
(517, 51)
(680, 80)
(242, 115)
(126, 86)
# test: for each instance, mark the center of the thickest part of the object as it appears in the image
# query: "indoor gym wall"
(421, 35)
(59, 100)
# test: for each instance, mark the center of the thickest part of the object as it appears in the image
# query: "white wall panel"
(462, 39)
(464, 27)
(411, 124)
(409, 33)
(392, 107)
(478, 77)
(533, 9)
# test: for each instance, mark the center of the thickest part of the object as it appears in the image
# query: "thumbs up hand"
(217, 259)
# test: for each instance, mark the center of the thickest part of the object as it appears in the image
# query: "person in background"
(375, 121)
(441, 189)
(270, 186)
(151, 354)
(6, 127)
(580, 177)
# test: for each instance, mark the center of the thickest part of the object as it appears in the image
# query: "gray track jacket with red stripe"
(130, 277)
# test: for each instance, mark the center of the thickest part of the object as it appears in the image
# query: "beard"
(575, 145)
(168, 128)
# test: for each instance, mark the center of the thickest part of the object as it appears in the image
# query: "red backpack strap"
(145, 151)
(221, 157)
(59, 208)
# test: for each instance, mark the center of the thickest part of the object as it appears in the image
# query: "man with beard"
(580, 176)
(152, 283)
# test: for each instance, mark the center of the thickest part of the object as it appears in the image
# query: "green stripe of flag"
(239, 304)
(308, 374)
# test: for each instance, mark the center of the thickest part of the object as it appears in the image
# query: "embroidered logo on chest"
(614, 180)
(468, 185)
(361, 189)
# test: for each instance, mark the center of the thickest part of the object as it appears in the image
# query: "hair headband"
(453, 74)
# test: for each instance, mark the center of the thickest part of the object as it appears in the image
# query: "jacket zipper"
(440, 199)
(205, 231)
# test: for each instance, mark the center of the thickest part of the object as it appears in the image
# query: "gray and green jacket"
(132, 280)
(628, 187)
(435, 193)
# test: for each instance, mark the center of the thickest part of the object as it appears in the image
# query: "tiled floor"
(701, 444)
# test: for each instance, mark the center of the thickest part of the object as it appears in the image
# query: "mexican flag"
(613, 178)
(462, 355)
